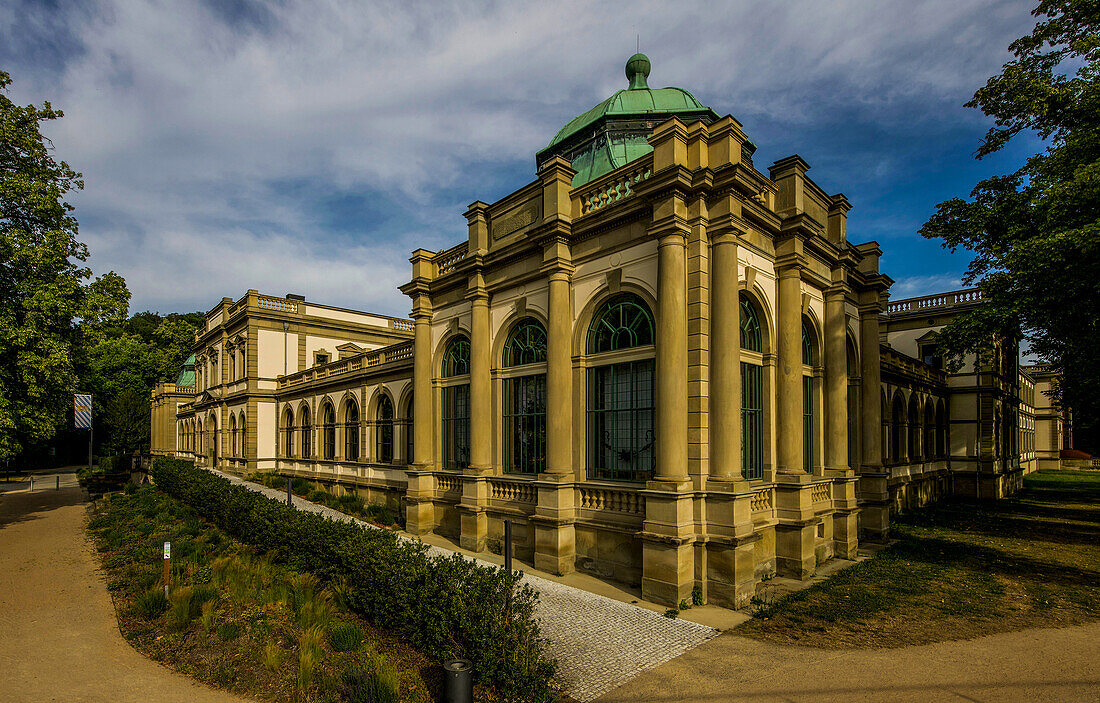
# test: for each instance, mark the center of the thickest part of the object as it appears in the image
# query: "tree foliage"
(50, 308)
(123, 365)
(1035, 233)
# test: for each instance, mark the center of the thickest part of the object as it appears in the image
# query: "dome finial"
(637, 70)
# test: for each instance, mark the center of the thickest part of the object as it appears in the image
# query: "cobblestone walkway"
(600, 643)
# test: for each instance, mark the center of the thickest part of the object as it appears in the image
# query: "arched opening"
(351, 430)
(384, 430)
(455, 416)
(307, 432)
(620, 430)
(809, 396)
(897, 429)
(328, 432)
(929, 430)
(914, 429)
(752, 391)
(288, 433)
(232, 435)
(524, 401)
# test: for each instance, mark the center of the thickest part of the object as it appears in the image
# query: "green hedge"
(445, 606)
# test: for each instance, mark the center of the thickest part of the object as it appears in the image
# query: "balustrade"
(612, 500)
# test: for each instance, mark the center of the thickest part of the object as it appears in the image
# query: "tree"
(1035, 233)
(51, 308)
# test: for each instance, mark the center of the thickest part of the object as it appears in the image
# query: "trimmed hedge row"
(445, 606)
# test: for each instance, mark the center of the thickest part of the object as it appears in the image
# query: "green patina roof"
(637, 101)
(187, 372)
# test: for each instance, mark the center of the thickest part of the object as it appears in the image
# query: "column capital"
(476, 291)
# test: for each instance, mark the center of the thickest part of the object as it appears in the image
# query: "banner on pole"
(82, 411)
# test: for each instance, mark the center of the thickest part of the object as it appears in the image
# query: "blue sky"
(309, 147)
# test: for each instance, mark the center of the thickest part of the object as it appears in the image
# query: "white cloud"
(188, 125)
(916, 286)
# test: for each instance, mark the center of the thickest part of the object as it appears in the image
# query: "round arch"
(596, 301)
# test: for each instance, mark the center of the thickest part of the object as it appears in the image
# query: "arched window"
(233, 435)
(623, 322)
(853, 405)
(328, 431)
(620, 395)
(897, 430)
(808, 397)
(232, 364)
(887, 450)
(752, 392)
(307, 433)
(914, 429)
(351, 430)
(384, 434)
(288, 433)
(929, 430)
(941, 431)
(409, 433)
(524, 421)
(242, 438)
(455, 416)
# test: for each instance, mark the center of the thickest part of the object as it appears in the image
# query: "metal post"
(458, 681)
(58, 487)
(508, 546)
(32, 483)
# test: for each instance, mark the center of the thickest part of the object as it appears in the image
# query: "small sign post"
(167, 565)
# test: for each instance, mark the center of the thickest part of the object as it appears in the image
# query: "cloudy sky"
(309, 146)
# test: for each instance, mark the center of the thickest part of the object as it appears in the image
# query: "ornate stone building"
(662, 364)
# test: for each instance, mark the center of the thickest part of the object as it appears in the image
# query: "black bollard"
(289, 495)
(458, 683)
(58, 487)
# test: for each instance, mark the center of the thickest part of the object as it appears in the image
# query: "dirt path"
(1050, 665)
(59, 639)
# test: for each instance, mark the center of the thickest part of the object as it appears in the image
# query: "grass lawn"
(959, 570)
(241, 621)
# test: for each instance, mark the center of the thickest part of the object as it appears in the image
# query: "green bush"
(301, 486)
(228, 631)
(318, 496)
(445, 606)
(377, 682)
(345, 637)
(151, 603)
(351, 503)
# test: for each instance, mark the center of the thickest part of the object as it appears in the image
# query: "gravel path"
(600, 643)
(60, 638)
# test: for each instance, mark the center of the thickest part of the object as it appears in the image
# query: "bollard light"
(458, 682)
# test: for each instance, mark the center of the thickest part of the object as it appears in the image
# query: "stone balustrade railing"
(762, 500)
(614, 187)
(447, 484)
(932, 302)
(512, 490)
(395, 352)
(448, 259)
(615, 500)
(819, 492)
(278, 304)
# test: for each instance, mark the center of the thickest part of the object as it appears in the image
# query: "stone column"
(874, 493)
(730, 563)
(419, 509)
(555, 539)
(667, 533)
(475, 488)
(845, 516)
(795, 534)
(725, 362)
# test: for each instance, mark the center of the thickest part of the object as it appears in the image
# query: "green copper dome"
(187, 372)
(615, 132)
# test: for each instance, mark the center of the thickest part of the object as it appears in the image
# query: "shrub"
(376, 682)
(351, 503)
(317, 496)
(151, 603)
(182, 611)
(300, 486)
(228, 631)
(445, 606)
(345, 637)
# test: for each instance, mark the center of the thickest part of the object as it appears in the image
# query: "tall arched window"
(233, 435)
(808, 397)
(524, 421)
(200, 441)
(307, 433)
(914, 429)
(288, 433)
(941, 430)
(455, 417)
(328, 431)
(929, 430)
(242, 438)
(752, 392)
(409, 433)
(620, 394)
(853, 405)
(351, 430)
(897, 430)
(384, 430)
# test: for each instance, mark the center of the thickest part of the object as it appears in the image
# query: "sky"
(308, 147)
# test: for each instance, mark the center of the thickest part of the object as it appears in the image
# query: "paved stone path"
(600, 643)
(59, 638)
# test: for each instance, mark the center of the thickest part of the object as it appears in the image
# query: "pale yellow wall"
(270, 350)
(328, 345)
